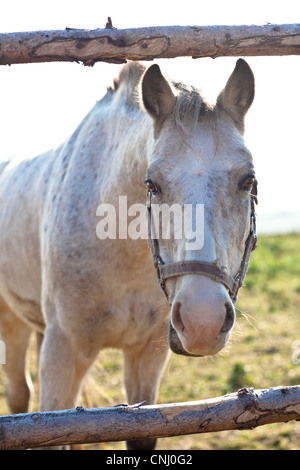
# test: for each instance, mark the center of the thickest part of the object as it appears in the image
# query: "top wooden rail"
(119, 45)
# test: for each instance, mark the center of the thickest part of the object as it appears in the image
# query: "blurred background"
(41, 105)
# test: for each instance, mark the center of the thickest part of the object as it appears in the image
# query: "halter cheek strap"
(203, 268)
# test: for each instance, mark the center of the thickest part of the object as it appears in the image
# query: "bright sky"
(41, 104)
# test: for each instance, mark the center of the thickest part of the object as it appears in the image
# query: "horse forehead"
(233, 158)
(207, 142)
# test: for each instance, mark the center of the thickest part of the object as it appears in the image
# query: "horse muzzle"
(202, 317)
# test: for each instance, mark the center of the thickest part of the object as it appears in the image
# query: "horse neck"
(128, 172)
(132, 159)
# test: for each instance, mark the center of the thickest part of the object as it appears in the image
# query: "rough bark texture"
(246, 409)
(118, 45)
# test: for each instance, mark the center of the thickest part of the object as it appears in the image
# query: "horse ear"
(157, 93)
(238, 94)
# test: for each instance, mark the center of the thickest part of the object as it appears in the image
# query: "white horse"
(85, 294)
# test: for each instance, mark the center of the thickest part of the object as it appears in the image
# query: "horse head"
(199, 159)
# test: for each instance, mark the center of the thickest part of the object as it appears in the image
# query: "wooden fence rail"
(118, 45)
(245, 409)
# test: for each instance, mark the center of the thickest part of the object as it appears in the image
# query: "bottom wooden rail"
(245, 409)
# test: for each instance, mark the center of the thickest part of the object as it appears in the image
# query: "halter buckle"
(157, 261)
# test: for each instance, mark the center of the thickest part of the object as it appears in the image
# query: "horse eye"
(150, 186)
(247, 183)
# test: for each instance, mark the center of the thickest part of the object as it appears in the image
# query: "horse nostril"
(176, 318)
(229, 319)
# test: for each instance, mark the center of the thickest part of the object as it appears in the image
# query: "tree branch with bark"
(245, 409)
(119, 45)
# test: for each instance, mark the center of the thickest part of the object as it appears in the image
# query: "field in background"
(259, 355)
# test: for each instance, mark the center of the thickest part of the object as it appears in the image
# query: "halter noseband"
(203, 268)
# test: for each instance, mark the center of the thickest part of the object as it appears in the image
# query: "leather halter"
(203, 268)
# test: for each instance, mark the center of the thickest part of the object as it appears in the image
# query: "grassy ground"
(259, 355)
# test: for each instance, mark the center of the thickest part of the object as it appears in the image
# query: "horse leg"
(143, 368)
(15, 334)
(63, 364)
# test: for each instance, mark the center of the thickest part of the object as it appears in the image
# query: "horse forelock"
(190, 105)
(190, 109)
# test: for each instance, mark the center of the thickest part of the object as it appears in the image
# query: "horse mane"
(3, 165)
(127, 83)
